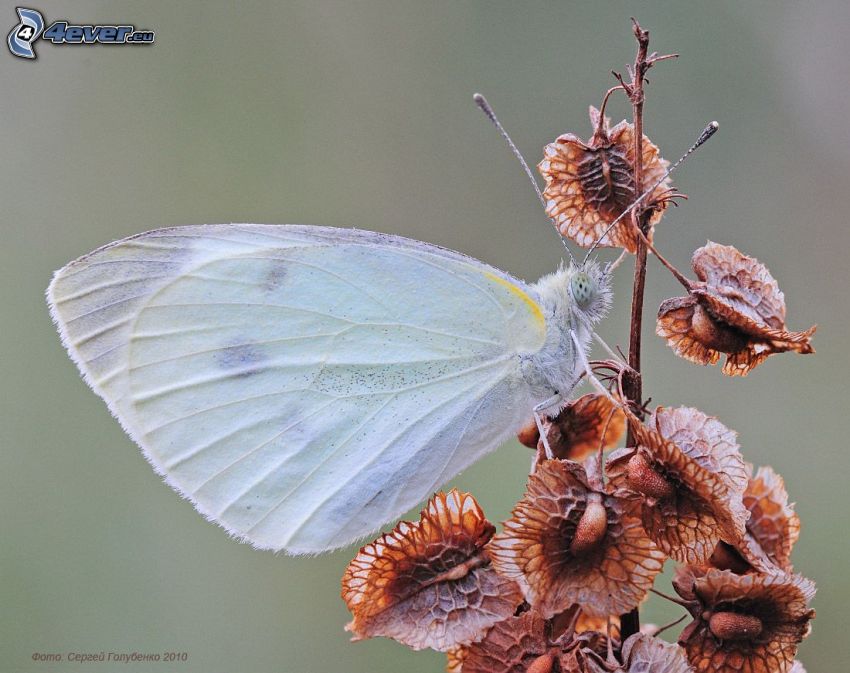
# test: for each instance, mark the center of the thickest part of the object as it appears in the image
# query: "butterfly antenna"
(707, 132)
(482, 103)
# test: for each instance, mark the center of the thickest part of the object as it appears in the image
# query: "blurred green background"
(360, 114)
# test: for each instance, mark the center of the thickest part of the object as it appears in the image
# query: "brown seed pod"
(750, 623)
(509, 646)
(519, 643)
(610, 569)
(772, 529)
(529, 435)
(714, 334)
(735, 626)
(735, 308)
(543, 664)
(591, 527)
(588, 185)
(582, 427)
(687, 478)
(774, 525)
(642, 478)
(726, 557)
(642, 653)
(429, 583)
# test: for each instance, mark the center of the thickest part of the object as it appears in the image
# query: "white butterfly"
(304, 385)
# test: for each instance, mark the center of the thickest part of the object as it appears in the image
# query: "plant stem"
(632, 385)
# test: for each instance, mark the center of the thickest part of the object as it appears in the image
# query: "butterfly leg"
(591, 377)
(615, 356)
(613, 265)
(538, 419)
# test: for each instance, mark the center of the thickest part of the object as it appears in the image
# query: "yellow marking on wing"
(532, 305)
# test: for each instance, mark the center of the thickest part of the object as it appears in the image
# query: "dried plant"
(579, 428)
(558, 590)
(688, 478)
(642, 653)
(750, 622)
(568, 543)
(430, 584)
(772, 529)
(528, 642)
(588, 185)
(735, 308)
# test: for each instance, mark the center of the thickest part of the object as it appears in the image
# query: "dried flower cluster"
(430, 584)
(735, 308)
(571, 544)
(589, 184)
(687, 478)
(558, 589)
(751, 622)
(575, 432)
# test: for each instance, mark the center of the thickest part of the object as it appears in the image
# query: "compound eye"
(581, 287)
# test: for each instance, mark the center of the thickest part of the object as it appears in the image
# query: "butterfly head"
(575, 292)
(590, 290)
(582, 289)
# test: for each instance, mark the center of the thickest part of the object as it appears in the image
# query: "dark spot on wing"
(242, 359)
(276, 275)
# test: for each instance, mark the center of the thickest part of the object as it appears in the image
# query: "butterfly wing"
(300, 385)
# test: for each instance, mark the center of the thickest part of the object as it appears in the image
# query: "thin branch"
(600, 463)
(599, 133)
(633, 389)
(666, 57)
(688, 285)
(672, 599)
(662, 629)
